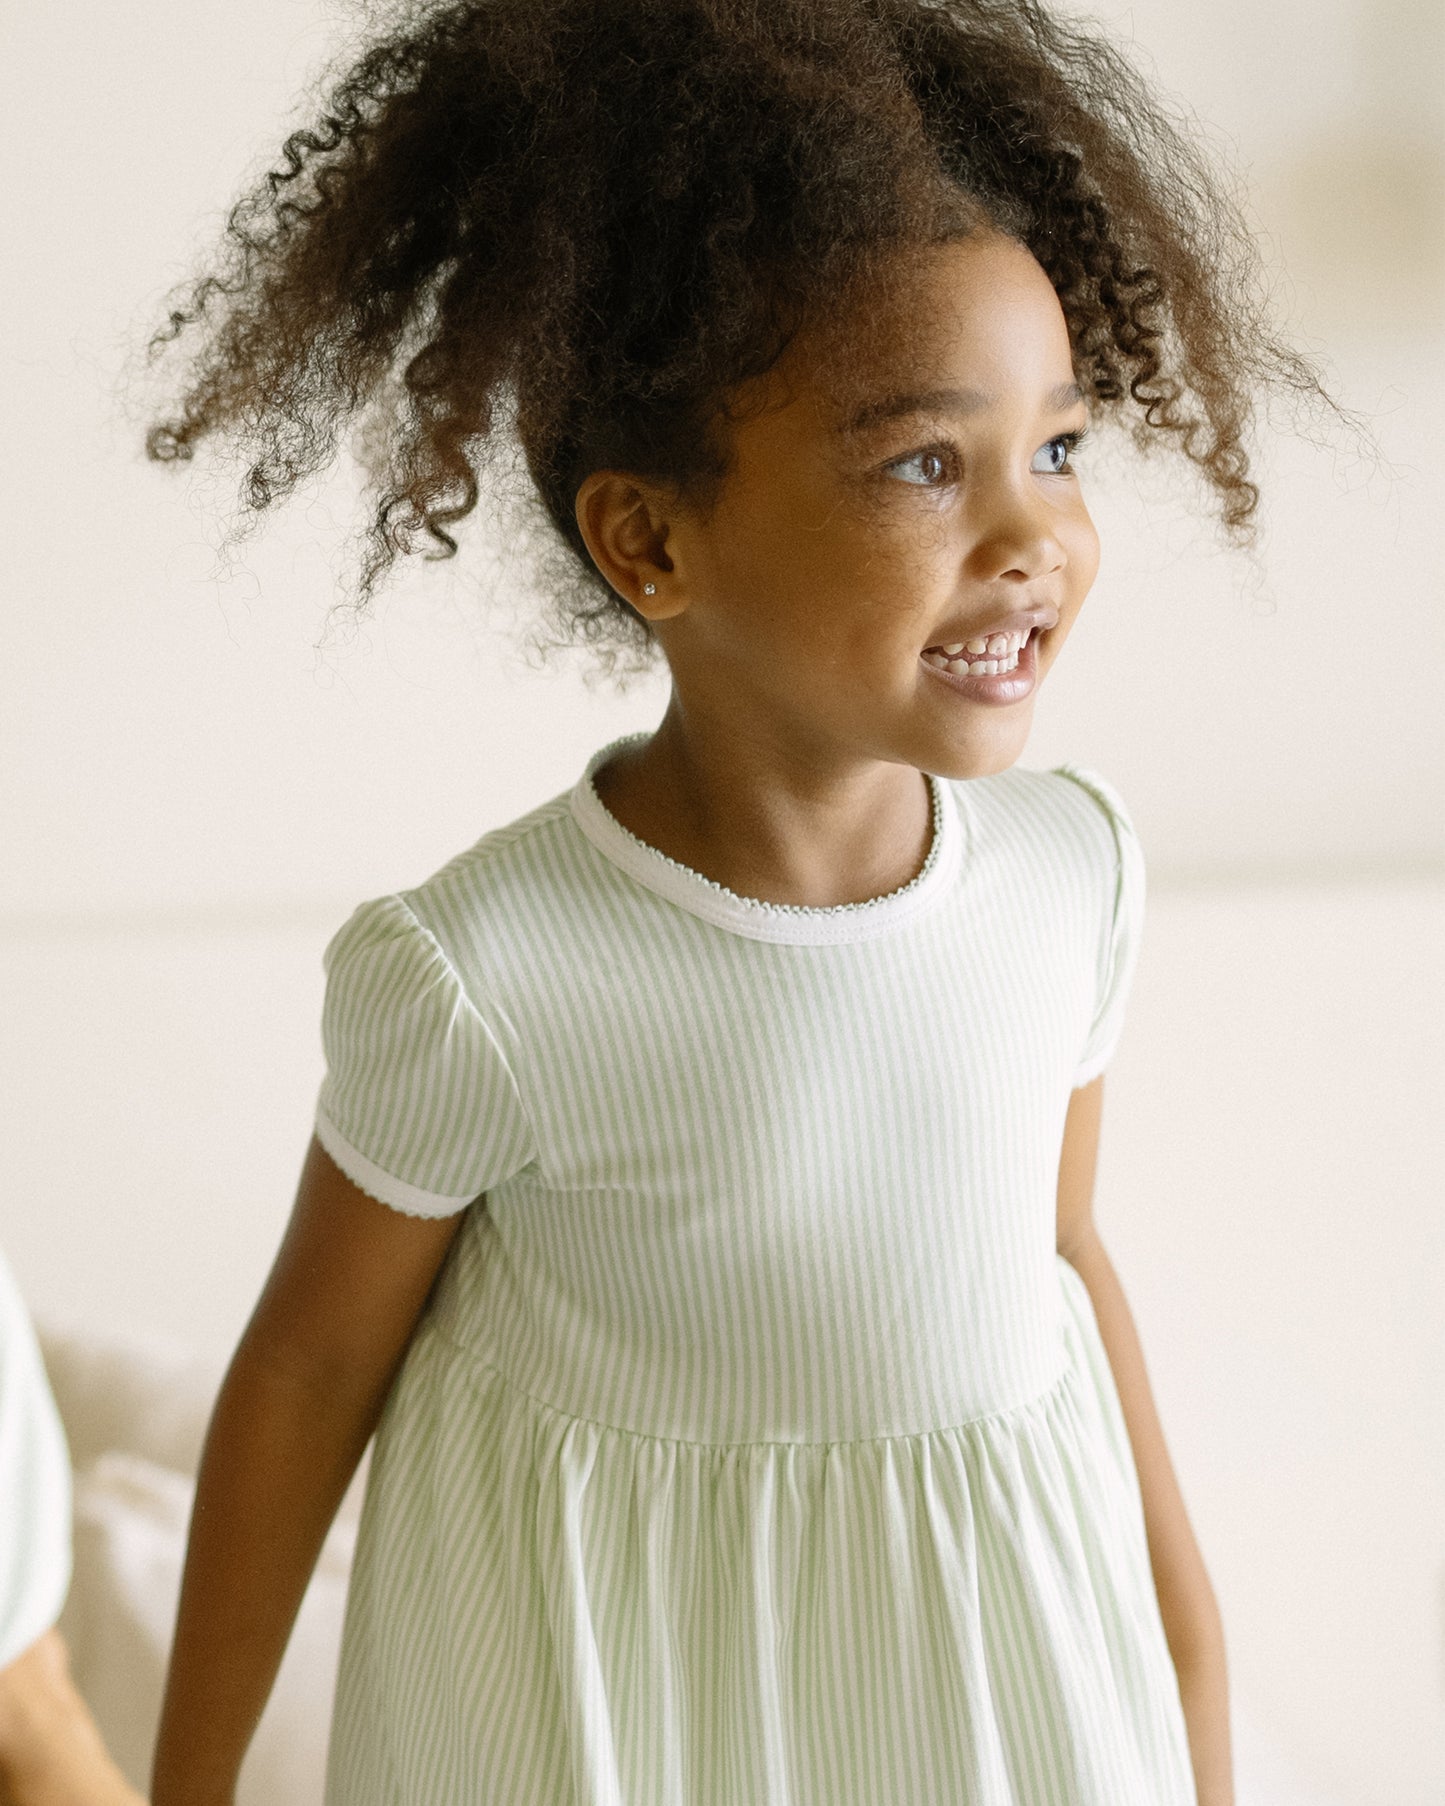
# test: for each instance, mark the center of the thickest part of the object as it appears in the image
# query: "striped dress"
(756, 1447)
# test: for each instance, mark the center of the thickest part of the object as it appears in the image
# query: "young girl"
(699, 1206)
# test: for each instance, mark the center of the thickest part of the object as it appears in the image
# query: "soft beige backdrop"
(195, 797)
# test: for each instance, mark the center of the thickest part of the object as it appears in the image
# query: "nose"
(1017, 537)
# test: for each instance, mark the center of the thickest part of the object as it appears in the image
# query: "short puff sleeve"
(419, 1106)
(1123, 924)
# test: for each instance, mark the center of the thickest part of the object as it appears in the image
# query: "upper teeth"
(989, 653)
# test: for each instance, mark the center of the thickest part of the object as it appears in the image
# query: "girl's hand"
(51, 1751)
(300, 1400)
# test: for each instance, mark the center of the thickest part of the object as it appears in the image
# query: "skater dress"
(756, 1447)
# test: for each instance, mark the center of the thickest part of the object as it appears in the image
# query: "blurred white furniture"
(135, 1413)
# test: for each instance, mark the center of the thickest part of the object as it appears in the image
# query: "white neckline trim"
(752, 916)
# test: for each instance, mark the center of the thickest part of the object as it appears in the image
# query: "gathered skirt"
(550, 1611)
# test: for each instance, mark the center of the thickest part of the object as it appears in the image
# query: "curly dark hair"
(581, 224)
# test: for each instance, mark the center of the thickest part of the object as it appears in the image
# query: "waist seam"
(434, 1330)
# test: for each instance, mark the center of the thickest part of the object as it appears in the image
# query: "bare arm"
(1187, 1606)
(300, 1400)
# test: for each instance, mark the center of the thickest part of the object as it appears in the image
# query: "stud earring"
(649, 589)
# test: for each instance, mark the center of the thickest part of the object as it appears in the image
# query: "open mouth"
(992, 676)
(994, 656)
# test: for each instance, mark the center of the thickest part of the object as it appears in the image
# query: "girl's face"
(878, 514)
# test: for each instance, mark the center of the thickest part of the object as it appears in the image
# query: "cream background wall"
(194, 796)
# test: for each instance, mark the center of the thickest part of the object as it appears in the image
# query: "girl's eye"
(1056, 454)
(940, 458)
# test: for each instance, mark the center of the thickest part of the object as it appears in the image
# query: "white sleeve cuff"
(411, 1200)
(1088, 1072)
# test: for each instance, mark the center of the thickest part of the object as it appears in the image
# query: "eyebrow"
(947, 401)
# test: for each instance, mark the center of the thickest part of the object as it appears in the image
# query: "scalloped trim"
(755, 917)
(367, 1176)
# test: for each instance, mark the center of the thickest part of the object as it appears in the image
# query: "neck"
(778, 823)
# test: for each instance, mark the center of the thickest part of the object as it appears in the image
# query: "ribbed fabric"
(757, 1448)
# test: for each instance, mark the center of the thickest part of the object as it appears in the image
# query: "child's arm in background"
(1192, 1621)
(300, 1400)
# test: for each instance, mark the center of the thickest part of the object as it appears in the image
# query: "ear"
(624, 524)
